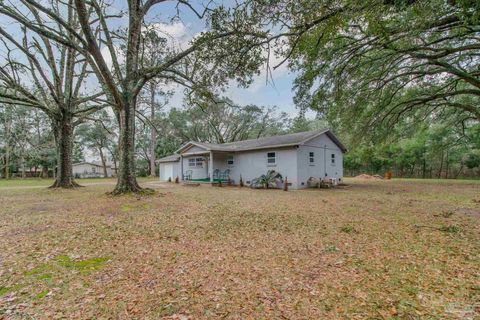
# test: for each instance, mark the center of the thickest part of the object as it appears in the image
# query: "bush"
(450, 229)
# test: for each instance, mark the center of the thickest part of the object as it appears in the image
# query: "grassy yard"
(376, 249)
(33, 182)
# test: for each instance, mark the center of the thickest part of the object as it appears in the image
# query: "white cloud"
(108, 57)
(267, 76)
(177, 33)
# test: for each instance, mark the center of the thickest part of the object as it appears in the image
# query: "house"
(91, 170)
(297, 156)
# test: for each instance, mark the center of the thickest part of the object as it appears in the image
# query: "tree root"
(130, 188)
(61, 185)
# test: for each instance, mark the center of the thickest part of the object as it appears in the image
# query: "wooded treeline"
(436, 151)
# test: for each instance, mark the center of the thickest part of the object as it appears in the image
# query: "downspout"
(181, 167)
(325, 160)
(210, 169)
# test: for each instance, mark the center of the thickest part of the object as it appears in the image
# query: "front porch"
(206, 167)
(207, 180)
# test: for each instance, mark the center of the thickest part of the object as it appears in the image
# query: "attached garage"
(169, 167)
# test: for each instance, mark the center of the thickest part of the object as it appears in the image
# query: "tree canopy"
(376, 62)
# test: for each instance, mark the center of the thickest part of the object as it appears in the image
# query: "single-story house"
(91, 170)
(297, 156)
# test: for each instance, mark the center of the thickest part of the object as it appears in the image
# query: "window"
(271, 159)
(93, 169)
(230, 160)
(195, 162)
(311, 158)
(333, 159)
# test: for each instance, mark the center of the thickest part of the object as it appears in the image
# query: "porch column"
(210, 166)
(181, 167)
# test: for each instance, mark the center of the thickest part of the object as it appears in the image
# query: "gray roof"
(172, 158)
(267, 142)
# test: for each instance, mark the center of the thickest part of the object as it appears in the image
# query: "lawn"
(375, 249)
(33, 182)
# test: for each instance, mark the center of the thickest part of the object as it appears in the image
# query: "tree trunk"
(441, 167)
(447, 166)
(22, 160)
(64, 143)
(424, 168)
(153, 133)
(126, 180)
(7, 161)
(8, 126)
(104, 164)
(459, 170)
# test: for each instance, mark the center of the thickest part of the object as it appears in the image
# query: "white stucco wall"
(197, 172)
(252, 164)
(220, 162)
(322, 147)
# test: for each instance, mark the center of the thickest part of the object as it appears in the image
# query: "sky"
(277, 92)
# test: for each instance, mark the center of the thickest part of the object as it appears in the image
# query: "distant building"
(92, 169)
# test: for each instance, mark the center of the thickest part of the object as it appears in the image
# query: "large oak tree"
(50, 76)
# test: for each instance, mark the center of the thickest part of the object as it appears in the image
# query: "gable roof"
(286, 140)
(93, 163)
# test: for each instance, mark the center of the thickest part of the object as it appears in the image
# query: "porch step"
(190, 184)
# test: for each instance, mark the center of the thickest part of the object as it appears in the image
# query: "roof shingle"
(286, 140)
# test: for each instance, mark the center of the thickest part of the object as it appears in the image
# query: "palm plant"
(270, 179)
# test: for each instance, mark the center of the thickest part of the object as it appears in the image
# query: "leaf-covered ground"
(375, 249)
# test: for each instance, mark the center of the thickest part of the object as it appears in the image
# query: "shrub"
(348, 229)
(450, 229)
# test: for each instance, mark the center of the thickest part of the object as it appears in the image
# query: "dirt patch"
(369, 177)
(469, 211)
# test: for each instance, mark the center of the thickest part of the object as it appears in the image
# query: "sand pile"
(369, 177)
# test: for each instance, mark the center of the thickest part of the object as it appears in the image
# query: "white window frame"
(195, 162)
(230, 160)
(270, 157)
(311, 158)
(94, 170)
(199, 162)
(333, 159)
